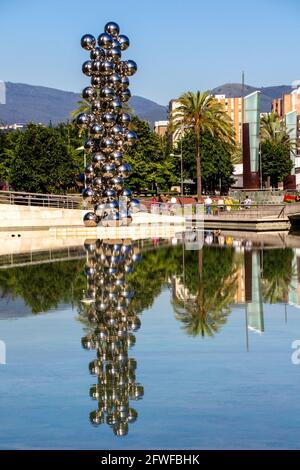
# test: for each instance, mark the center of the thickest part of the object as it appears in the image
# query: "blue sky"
(178, 44)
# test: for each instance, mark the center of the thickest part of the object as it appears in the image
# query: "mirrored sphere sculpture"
(108, 127)
(111, 319)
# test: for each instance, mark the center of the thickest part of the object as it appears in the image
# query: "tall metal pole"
(84, 163)
(260, 164)
(181, 170)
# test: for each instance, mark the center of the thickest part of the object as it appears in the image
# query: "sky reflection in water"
(212, 358)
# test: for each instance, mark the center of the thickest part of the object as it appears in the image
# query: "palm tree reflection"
(202, 295)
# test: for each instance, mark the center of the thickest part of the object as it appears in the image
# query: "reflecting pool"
(158, 343)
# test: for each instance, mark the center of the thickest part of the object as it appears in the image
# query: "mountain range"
(41, 104)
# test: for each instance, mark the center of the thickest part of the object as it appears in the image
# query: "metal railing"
(13, 260)
(253, 210)
(68, 201)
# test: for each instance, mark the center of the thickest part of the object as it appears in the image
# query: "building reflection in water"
(243, 274)
(111, 325)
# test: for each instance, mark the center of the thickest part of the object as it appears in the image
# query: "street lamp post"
(181, 166)
(181, 171)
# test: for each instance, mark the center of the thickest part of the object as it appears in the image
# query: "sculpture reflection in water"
(111, 325)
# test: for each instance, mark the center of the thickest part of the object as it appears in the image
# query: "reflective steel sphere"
(107, 145)
(89, 170)
(114, 54)
(107, 94)
(90, 219)
(124, 83)
(127, 192)
(96, 107)
(97, 182)
(110, 193)
(105, 41)
(96, 67)
(125, 95)
(109, 119)
(88, 194)
(107, 68)
(115, 105)
(87, 68)
(109, 170)
(88, 42)
(88, 145)
(97, 131)
(124, 42)
(117, 132)
(96, 81)
(130, 67)
(124, 119)
(124, 170)
(131, 137)
(98, 159)
(97, 54)
(100, 209)
(112, 28)
(114, 81)
(117, 182)
(117, 157)
(89, 93)
(83, 120)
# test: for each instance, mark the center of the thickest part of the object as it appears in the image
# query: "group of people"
(219, 205)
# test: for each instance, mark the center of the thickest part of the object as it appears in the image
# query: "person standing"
(207, 203)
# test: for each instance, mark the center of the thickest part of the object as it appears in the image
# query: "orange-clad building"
(233, 107)
(288, 103)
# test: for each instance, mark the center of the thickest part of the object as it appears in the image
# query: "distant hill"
(267, 93)
(40, 104)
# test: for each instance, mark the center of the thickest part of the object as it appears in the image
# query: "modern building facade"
(234, 109)
(288, 108)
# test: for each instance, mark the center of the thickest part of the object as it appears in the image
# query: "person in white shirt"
(208, 202)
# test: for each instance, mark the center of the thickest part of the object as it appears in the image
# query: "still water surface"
(210, 365)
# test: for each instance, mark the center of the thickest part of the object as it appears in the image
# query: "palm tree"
(82, 107)
(273, 129)
(201, 112)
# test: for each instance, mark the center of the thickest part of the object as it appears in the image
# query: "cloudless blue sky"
(178, 44)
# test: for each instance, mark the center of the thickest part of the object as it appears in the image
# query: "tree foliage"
(41, 159)
(216, 161)
(150, 160)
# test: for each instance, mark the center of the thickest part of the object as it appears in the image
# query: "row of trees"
(47, 160)
(209, 283)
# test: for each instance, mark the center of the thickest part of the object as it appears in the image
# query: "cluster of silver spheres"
(108, 128)
(112, 322)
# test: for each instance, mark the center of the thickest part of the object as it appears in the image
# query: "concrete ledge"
(250, 224)
(30, 217)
